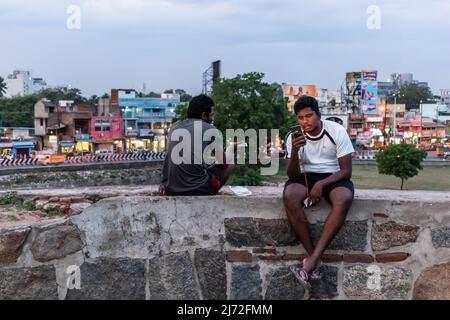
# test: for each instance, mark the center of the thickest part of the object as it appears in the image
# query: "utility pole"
(384, 122)
(57, 131)
(395, 115)
(421, 125)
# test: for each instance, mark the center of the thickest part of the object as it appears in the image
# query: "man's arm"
(345, 172)
(293, 167)
(293, 171)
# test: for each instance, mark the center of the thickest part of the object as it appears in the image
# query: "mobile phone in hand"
(296, 131)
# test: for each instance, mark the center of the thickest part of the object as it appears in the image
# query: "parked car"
(47, 159)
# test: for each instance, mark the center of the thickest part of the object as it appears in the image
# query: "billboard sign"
(353, 86)
(369, 92)
(294, 91)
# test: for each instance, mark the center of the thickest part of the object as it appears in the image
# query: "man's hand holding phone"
(298, 138)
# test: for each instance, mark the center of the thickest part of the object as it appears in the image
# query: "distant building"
(42, 109)
(437, 111)
(337, 114)
(401, 79)
(21, 83)
(386, 88)
(59, 126)
(396, 82)
(322, 97)
(294, 91)
(336, 96)
(146, 120)
(16, 141)
(445, 96)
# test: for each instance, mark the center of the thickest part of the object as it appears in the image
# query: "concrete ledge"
(392, 246)
(81, 167)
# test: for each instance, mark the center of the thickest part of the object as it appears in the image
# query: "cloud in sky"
(168, 44)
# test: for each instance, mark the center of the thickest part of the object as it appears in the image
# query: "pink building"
(107, 133)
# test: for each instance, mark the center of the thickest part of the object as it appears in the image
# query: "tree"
(279, 89)
(184, 96)
(152, 94)
(93, 100)
(17, 111)
(411, 95)
(401, 160)
(247, 102)
(55, 95)
(181, 112)
(2, 87)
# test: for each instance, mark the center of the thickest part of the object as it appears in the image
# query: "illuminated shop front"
(5, 149)
(67, 147)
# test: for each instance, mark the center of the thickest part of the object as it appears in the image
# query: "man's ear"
(319, 114)
(204, 116)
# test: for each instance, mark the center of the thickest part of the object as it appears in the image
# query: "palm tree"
(2, 87)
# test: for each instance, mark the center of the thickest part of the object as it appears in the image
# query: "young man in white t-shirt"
(323, 153)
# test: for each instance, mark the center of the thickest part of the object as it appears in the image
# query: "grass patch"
(30, 205)
(367, 177)
(245, 176)
(55, 212)
(10, 199)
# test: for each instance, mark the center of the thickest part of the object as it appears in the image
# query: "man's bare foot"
(310, 264)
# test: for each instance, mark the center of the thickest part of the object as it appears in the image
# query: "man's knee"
(341, 197)
(294, 194)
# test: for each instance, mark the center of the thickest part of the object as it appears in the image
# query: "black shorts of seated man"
(319, 166)
(192, 176)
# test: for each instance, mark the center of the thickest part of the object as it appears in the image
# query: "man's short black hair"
(198, 105)
(306, 102)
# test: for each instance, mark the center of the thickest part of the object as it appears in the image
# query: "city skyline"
(168, 44)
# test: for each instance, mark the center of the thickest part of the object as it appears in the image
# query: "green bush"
(245, 176)
(55, 212)
(10, 198)
(400, 160)
(30, 205)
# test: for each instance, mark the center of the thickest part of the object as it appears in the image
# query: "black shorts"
(313, 177)
(215, 181)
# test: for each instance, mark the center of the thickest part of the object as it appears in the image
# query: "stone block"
(441, 237)
(391, 234)
(376, 282)
(56, 243)
(111, 279)
(211, 271)
(255, 232)
(351, 237)
(171, 277)
(283, 285)
(38, 283)
(433, 283)
(11, 243)
(245, 283)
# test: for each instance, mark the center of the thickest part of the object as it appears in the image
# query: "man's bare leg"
(293, 196)
(341, 199)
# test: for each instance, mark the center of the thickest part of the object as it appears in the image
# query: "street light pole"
(421, 125)
(384, 122)
(395, 115)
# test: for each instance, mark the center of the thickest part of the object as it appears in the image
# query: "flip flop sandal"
(316, 274)
(301, 275)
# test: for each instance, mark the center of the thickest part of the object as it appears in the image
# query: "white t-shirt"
(321, 152)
